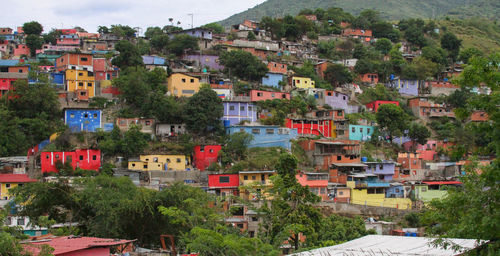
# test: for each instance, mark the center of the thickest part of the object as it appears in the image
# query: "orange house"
(325, 153)
(278, 68)
(479, 116)
(369, 78)
(21, 49)
(72, 60)
(317, 183)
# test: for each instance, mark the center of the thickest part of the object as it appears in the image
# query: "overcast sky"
(136, 13)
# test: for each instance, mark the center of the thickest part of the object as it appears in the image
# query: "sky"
(89, 14)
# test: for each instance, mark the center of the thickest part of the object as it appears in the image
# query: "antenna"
(192, 19)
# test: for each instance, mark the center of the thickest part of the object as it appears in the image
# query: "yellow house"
(253, 184)
(8, 181)
(302, 82)
(80, 80)
(159, 163)
(182, 85)
(365, 191)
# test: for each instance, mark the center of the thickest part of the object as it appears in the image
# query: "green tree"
(425, 68)
(52, 36)
(418, 133)
(236, 146)
(338, 75)
(160, 43)
(383, 45)
(133, 86)
(32, 28)
(468, 53)
(129, 55)
(134, 141)
(203, 111)
(123, 31)
(243, 65)
(34, 42)
(452, 44)
(102, 30)
(391, 119)
(153, 31)
(251, 36)
(215, 27)
(181, 43)
(290, 212)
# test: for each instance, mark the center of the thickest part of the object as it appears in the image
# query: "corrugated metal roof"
(9, 62)
(378, 245)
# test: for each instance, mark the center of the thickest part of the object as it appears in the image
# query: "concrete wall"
(353, 209)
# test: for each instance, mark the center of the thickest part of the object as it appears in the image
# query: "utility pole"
(192, 19)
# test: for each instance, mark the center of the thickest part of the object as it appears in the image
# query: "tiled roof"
(69, 244)
(15, 178)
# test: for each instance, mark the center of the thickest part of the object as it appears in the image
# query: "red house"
(205, 155)
(87, 159)
(316, 181)
(374, 105)
(79, 246)
(224, 184)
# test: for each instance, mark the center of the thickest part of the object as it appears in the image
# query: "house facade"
(8, 181)
(317, 183)
(147, 124)
(266, 135)
(383, 170)
(361, 132)
(257, 95)
(366, 189)
(86, 159)
(237, 111)
(84, 61)
(258, 181)
(180, 85)
(80, 81)
(80, 120)
(160, 163)
(204, 155)
(302, 82)
(405, 87)
(325, 123)
(374, 105)
(324, 153)
(370, 78)
(272, 79)
(223, 184)
(337, 100)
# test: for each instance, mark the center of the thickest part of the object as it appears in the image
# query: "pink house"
(317, 183)
(256, 95)
(21, 49)
(79, 246)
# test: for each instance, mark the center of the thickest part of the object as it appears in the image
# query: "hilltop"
(389, 9)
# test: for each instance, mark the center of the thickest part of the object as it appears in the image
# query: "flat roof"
(349, 165)
(379, 245)
(442, 182)
(257, 172)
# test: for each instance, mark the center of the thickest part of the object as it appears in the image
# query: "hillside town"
(280, 135)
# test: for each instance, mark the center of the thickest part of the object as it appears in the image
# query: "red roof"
(442, 182)
(15, 178)
(68, 244)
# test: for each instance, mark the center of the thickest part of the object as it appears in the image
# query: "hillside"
(479, 33)
(389, 9)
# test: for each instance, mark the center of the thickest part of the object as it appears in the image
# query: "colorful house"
(429, 190)
(374, 105)
(83, 61)
(160, 163)
(21, 49)
(68, 40)
(277, 68)
(422, 107)
(317, 183)
(272, 79)
(324, 153)
(257, 95)
(302, 82)
(180, 85)
(237, 111)
(80, 81)
(405, 87)
(337, 100)
(326, 123)
(83, 119)
(363, 34)
(369, 78)
(103, 70)
(258, 181)
(223, 184)
(266, 135)
(86, 159)
(147, 124)
(383, 170)
(361, 132)
(8, 181)
(210, 62)
(366, 189)
(204, 155)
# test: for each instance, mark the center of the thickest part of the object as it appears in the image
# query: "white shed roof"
(379, 245)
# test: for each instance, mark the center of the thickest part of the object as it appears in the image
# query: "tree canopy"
(243, 65)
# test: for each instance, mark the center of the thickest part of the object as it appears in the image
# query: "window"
(397, 190)
(148, 122)
(20, 71)
(329, 93)
(255, 218)
(269, 131)
(256, 131)
(7, 185)
(259, 94)
(339, 158)
(80, 84)
(89, 84)
(341, 193)
(242, 108)
(94, 157)
(145, 166)
(343, 98)
(80, 74)
(322, 191)
(353, 129)
(86, 115)
(361, 129)
(231, 107)
(370, 191)
(339, 112)
(8, 221)
(20, 222)
(47, 156)
(192, 80)
(249, 108)
(223, 179)
(95, 115)
(424, 189)
(183, 80)
(245, 177)
(81, 158)
(178, 160)
(57, 156)
(254, 177)
(272, 95)
(211, 151)
(381, 166)
(368, 130)
(83, 59)
(72, 115)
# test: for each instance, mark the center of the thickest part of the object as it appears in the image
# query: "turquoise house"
(361, 132)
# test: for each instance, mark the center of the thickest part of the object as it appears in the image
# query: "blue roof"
(9, 62)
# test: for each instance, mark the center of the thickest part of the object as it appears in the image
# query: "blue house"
(80, 119)
(406, 87)
(272, 79)
(396, 190)
(361, 132)
(383, 170)
(266, 135)
(237, 111)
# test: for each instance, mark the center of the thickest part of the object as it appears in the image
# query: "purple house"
(384, 170)
(200, 33)
(237, 111)
(337, 100)
(210, 61)
(406, 87)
